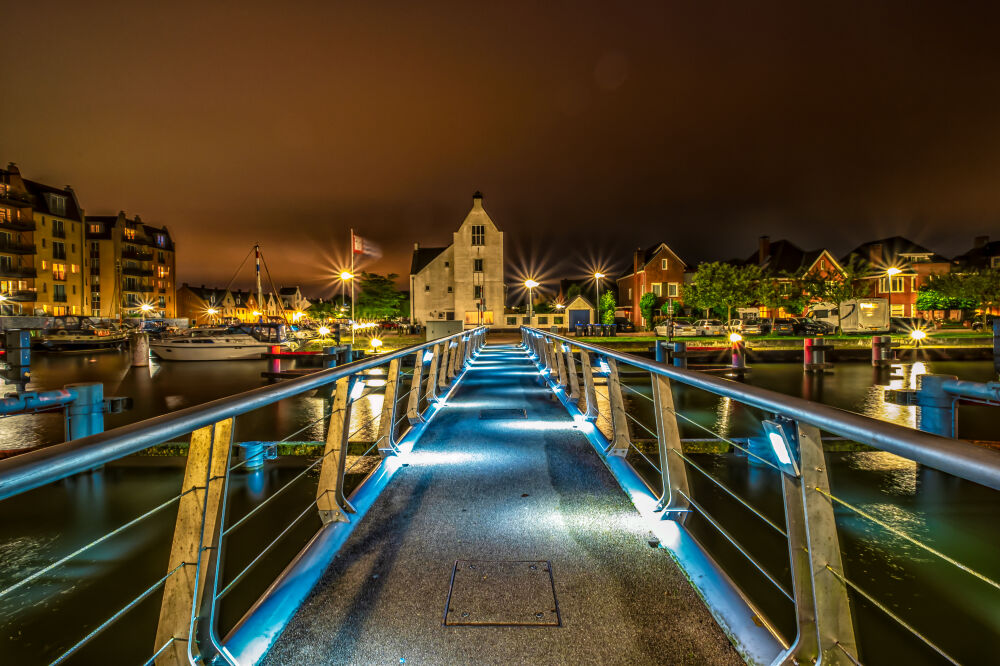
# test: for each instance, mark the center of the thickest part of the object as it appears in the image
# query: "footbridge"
(537, 501)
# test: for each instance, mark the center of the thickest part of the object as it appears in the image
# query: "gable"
(663, 251)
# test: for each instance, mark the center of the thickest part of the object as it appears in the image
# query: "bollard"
(935, 407)
(661, 351)
(680, 355)
(85, 415)
(881, 350)
(17, 344)
(739, 356)
(253, 453)
(139, 345)
(275, 362)
(807, 354)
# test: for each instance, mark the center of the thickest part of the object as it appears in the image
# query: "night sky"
(591, 128)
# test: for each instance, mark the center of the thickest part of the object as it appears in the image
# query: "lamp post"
(597, 279)
(211, 312)
(144, 308)
(345, 277)
(530, 284)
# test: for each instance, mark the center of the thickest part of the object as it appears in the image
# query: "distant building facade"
(984, 254)
(657, 270)
(129, 264)
(41, 247)
(464, 280)
(913, 265)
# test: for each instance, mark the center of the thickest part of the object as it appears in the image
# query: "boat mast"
(260, 291)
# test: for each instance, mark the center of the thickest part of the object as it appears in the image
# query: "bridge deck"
(518, 489)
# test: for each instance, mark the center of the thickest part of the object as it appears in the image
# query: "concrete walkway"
(510, 489)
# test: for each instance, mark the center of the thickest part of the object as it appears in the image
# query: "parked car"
(783, 326)
(745, 326)
(684, 327)
(804, 326)
(709, 327)
(624, 325)
(978, 324)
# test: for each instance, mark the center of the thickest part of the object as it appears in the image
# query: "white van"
(859, 315)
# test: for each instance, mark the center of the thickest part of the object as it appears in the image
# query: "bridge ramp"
(486, 486)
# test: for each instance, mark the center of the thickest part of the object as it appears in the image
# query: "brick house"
(897, 269)
(783, 260)
(656, 269)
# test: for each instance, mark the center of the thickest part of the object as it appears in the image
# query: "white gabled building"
(463, 281)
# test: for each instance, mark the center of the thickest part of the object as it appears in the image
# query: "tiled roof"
(423, 256)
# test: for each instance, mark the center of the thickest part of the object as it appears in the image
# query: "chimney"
(875, 254)
(416, 246)
(477, 200)
(12, 167)
(980, 242)
(763, 249)
(636, 287)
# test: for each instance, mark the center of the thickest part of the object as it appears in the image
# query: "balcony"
(57, 255)
(58, 298)
(22, 295)
(137, 254)
(17, 225)
(59, 233)
(59, 277)
(13, 247)
(137, 272)
(17, 272)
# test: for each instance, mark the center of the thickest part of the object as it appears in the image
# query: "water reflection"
(902, 376)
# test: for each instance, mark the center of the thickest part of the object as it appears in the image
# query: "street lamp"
(893, 271)
(597, 278)
(4, 298)
(145, 308)
(530, 284)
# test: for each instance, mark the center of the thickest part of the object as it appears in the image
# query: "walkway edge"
(249, 641)
(734, 614)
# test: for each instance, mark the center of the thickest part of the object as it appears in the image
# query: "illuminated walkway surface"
(528, 489)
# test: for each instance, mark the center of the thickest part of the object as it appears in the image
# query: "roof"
(288, 291)
(423, 256)
(783, 257)
(208, 294)
(41, 203)
(979, 257)
(892, 248)
(650, 252)
(583, 298)
(102, 218)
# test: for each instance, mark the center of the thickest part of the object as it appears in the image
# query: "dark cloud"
(592, 128)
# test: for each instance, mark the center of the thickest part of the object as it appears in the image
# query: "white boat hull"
(215, 351)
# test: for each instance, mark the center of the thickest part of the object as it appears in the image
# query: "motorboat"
(221, 343)
(81, 340)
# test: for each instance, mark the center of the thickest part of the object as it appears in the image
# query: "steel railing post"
(460, 356)
(330, 499)
(386, 437)
(432, 374)
(195, 536)
(825, 628)
(560, 359)
(590, 394)
(574, 380)
(413, 400)
(548, 351)
(442, 380)
(673, 471)
(620, 441)
(452, 360)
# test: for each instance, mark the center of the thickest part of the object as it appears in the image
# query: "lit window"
(897, 310)
(673, 289)
(73, 268)
(893, 285)
(658, 288)
(479, 234)
(95, 228)
(45, 265)
(995, 262)
(129, 233)
(663, 264)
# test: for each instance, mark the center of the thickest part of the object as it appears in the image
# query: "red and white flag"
(364, 247)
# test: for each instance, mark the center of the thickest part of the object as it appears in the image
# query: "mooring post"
(330, 499)
(823, 613)
(807, 354)
(195, 542)
(739, 356)
(680, 355)
(275, 360)
(387, 421)
(139, 349)
(85, 415)
(661, 351)
(881, 350)
(935, 406)
(673, 472)
(620, 440)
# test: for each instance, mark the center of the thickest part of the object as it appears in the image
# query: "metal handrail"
(961, 459)
(37, 468)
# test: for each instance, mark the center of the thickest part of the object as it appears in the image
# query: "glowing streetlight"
(4, 298)
(530, 284)
(892, 270)
(323, 331)
(145, 308)
(375, 344)
(735, 337)
(918, 334)
(560, 306)
(597, 277)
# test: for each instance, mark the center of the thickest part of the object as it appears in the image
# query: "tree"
(379, 298)
(721, 287)
(573, 291)
(981, 288)
(545, 307)
(606, 308)
(647, 304)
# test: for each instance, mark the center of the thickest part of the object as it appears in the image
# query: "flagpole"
(352, 287)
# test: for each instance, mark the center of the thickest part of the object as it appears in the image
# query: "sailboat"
(235, 342)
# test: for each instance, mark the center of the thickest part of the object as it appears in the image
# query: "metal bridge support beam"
(823, 612)
(387, 420)
(588, 386)
(330, 499)
(432, 374)
(621, 440)
(560, 361)
(85, 415)
(195, 540)
(668, 438)
(413, 400)
(574, 380)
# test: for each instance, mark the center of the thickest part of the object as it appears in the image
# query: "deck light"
(323, 331)
(358, 390)
(735, 337)
(779, 434)
(918, 334)
(428, 355)
(375, 343)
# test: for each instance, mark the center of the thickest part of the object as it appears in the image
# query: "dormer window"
(57, 204)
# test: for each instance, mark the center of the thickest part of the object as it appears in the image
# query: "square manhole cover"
(492, 414)
(493, 592)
